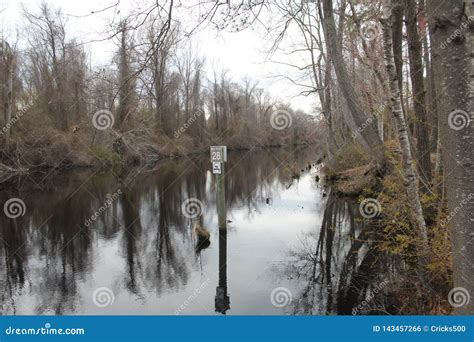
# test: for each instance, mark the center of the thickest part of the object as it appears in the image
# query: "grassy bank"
(44, 148)
(394, 233)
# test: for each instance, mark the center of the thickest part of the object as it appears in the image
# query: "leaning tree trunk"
(396, 107)
(417, 81)
(453, 43)
(369, 136)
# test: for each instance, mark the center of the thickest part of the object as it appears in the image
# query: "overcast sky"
(242, 53)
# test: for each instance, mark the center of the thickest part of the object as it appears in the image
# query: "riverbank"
(100, 150)
(354, 181)
(383, 203)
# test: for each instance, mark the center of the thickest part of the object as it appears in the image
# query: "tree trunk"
(396, 107)
(126, 81)
(452, 44)
(6, 55)
(369, 136)
(432, 99)
(397, 39)
(416, 73)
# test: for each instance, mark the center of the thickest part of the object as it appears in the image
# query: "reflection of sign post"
(218, 158)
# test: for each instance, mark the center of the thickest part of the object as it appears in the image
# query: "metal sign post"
(218, 158)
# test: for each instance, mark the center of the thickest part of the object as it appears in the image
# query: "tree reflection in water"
(340, 266)
(142, 244)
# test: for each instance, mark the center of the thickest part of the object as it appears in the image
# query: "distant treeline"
(152, 99)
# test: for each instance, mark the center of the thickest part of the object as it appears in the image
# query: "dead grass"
(353, 181)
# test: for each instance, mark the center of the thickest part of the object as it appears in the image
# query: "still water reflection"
(284, 231)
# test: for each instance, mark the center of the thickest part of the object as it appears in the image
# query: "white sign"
(218, 154)
(216, 168)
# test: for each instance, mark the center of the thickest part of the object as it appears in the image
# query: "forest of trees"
(393, 80)
(153, 99)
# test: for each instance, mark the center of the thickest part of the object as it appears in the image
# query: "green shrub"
(105, 156)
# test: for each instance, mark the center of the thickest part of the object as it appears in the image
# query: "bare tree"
(189, 64)
(161, 57)
(396, 107)
(56, 68)
(7, 59)
(358, 118)
(127, 94)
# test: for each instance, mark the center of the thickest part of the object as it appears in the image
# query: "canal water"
(124, 243)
